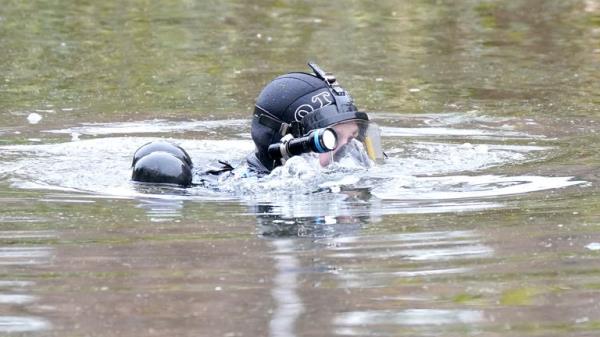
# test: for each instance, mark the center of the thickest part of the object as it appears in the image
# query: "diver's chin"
(325, 159)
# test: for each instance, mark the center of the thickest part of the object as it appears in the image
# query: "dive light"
(319, 140)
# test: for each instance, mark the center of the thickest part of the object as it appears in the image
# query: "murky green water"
(484, 222)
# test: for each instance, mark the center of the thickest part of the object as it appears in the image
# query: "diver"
(296, 114)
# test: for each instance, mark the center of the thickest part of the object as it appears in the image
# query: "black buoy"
(164, 146)
(162, 167)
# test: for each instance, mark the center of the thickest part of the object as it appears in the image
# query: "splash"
(442, 173)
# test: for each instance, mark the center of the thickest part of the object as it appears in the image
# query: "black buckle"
(297, 129)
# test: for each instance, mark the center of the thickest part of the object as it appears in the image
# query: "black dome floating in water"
(161, 145)
(162, 162)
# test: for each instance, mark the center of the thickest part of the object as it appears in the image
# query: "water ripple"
(22, 324)
(453, 132)
(424, 254)
(16, 299)
(151, 126)
(409, 317)
(12, 294)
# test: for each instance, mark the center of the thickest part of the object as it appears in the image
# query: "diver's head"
(162, 162)
(297, 103)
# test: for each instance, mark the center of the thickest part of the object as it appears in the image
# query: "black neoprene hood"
(303, 99)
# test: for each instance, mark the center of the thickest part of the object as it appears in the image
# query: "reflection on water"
(289, 305)
(431, 250)
(161, 210)
(410, 256)
(13, 292)
(407, 317)
(24, 255)
(16, 299)
(361, 323)
(22, 324)
(425, 254)
(359, 261)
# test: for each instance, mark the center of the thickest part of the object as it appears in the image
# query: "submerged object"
(162, 162)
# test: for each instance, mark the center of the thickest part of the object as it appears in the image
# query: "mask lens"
(352, 155)
(372, 142)
(359, 141)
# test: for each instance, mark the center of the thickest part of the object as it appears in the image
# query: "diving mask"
(358, 141)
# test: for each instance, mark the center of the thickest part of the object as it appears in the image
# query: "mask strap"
(274, 123)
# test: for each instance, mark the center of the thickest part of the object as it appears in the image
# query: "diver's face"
(345, 133)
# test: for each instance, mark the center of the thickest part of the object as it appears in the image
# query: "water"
(483, 221)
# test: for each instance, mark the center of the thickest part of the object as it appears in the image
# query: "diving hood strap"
(282, 128)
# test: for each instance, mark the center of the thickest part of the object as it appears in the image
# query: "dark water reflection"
(483, 222)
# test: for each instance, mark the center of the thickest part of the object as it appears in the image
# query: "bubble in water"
(34, 118)
(593, 246)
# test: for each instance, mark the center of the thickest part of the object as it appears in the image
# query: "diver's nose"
(344, 141)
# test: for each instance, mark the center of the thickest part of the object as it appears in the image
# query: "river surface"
(483, 221)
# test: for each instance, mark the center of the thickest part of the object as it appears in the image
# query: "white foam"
(418, 176)
(462, 187)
